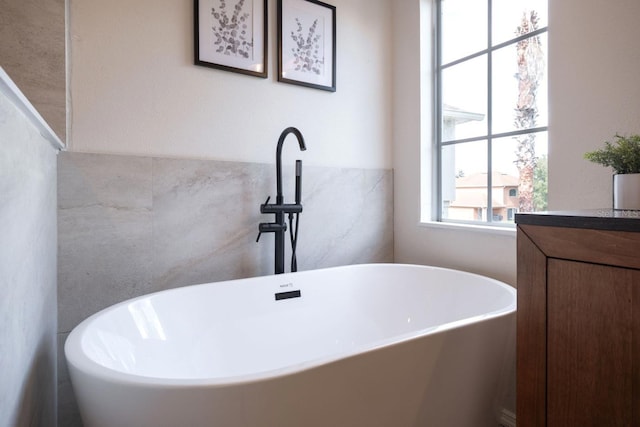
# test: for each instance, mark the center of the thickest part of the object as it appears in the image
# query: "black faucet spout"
(303, 147)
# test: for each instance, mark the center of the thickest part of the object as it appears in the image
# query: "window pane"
(519, 92)
(507, 17)
(475, 105)
(464, 100)
(464, 28)
(520, 174)
(464, 181)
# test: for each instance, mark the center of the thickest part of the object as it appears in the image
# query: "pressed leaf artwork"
(232, 29)
(307, 44)
(307, 51)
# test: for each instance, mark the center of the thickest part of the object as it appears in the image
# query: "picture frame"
(232, 35)
(307, 44)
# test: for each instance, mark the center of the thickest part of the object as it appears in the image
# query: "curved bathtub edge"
(83, 362)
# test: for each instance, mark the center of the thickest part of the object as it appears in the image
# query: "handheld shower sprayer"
(298, 181)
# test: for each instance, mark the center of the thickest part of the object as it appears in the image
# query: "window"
(491, 109)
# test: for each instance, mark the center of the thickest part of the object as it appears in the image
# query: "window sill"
(474, 228)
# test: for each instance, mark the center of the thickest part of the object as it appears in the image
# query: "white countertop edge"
(9, 88)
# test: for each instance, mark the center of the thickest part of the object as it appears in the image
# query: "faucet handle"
(264, 205)
(270, 227)
(259, 227)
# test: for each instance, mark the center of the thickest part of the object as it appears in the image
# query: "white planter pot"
(626, 191)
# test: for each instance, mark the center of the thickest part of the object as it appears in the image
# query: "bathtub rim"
(80, 361)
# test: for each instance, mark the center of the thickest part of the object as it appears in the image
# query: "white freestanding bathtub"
(379, 345)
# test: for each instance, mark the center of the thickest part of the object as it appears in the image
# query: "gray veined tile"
(105, 258)
(27, 271)
(205, 220)
(355, 208)
(118, 182)
(131, 225)
(104, 233)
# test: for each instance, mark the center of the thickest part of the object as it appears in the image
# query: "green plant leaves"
(623, 155)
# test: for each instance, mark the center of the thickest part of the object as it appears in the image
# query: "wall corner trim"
(11, 90)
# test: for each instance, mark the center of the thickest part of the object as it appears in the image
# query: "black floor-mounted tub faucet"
(279, 208)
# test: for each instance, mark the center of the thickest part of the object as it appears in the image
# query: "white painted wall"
(134, 89)
(594, 91)
(465, 248)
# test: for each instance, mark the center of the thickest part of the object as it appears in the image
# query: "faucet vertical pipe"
(279, 237)
(278, 266)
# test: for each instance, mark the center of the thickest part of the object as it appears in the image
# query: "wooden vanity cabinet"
(578, 320)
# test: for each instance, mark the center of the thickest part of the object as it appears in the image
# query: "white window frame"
(437, 211)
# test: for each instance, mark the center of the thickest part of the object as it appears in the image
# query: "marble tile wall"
(132, 225)
(32, 52)
(28, 308)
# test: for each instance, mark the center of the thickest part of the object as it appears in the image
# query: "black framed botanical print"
(231, 35)
(307, 43)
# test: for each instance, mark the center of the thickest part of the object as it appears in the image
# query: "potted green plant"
(623, 155)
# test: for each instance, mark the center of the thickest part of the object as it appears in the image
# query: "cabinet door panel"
(590, 344)
(532, 334)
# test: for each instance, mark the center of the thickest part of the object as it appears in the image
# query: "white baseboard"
(507, 418)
